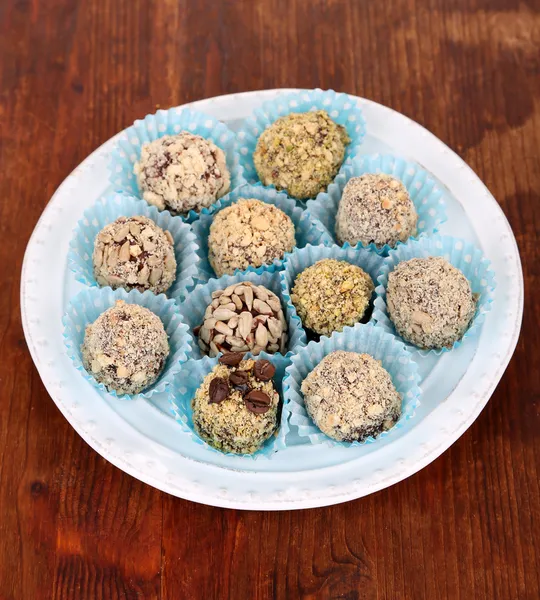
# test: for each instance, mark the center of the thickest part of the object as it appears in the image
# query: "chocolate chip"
(257, 402)
(264, 370)
(231, 359)
(219, 390)
(238, 377)
(196, 330)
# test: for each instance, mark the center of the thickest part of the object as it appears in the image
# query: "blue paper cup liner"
(426, 194)
(86, 307)
(362, 339)
(307, 230)
(343, 109)
(113, 205)
(303, 258)
(170, 122)
(463, 255)
(194, 307)
(189, 379)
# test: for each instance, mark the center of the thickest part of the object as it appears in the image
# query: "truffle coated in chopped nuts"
(229, 425)
(301, 153)
(249, 233)
(182, 172)
(375, 208)
(331, 294)
(350, 396)
(125, 348)
(430, 302)
(134, 253)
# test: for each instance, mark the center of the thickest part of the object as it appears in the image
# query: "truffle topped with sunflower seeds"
(331, 294)
(375, 208)
(236, 407)
(134, 253)
(301, 153)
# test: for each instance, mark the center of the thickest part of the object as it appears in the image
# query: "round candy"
(134, 253)
(350, 396)
(430, 302)
(331, 294)
(250, 233)
(375, 208)
(182, 172)
(125, 348)
(301, 153)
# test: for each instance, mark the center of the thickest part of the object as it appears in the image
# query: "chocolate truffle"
(234, 410)
(430, 302)
(243, 317)
(182, 172)
(125, 348)
(350, 397)
(331, 294)
(375, 208)
(250, 233)
(134, 253)
(301, 153)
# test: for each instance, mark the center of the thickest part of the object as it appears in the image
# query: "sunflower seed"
(237, 301)
(262, 307)
(122, 233)
(244, 323)
(155, 275)
(98, 258)
(261, 293)
(261, 336)
(217, 294)
(205, 335)
(274, 327)
(223, 328)
(143, 275)
(223, 314)
(248, 297)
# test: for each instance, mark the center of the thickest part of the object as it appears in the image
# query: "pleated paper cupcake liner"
(343, 109)
(463, 255)
(170, 122)
(426, 195)
(307, 229)
(301, 259)
(86, 307)
(189, 379)
(362, 339)
(194, 307)
(113, 205)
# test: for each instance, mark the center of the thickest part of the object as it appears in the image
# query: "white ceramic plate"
(143, 440)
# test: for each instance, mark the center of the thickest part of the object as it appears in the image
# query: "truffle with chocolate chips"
(350, 396)
(243, 317)
(134, 253)
(234, 409)
(125, 348)
(250, 233)
(182, 172)
(375, 208)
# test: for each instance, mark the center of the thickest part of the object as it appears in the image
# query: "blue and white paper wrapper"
(170, 122)
(463, 255)
(426, 195)
(307, 230)
(106, 210)
(86, 307)
(194, 307)
(343, 109)
(189, 379)
(362, 339)
(301, 259)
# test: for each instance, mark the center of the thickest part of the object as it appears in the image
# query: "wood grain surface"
(73, 73)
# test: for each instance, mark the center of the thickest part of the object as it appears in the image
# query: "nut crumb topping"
(301, 153)
(182, 172)
(375, 208)
(248, 233)
(350, 396)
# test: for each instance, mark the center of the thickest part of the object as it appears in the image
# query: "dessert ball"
(375, 208)
(301, 153)
(250, 233)
(134, 253)
(350, 397)
(182, 172)
(236, 407)
(125, 348)
(331, 294)
(430, 302)
(243, 318)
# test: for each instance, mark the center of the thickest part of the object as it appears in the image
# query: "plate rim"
(352, 490)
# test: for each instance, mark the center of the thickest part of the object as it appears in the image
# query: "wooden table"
(73, 73)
